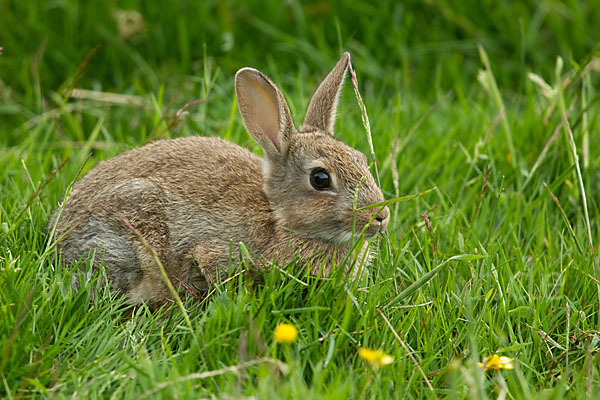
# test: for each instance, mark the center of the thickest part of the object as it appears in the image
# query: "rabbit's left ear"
(323, 105)
(264, 112)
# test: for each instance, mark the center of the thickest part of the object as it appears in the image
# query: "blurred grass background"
(425, 46)
(489, 137)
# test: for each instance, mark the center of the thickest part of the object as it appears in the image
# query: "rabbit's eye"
(319, 179)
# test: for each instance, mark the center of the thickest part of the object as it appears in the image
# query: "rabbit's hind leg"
(107, 250)
(138, 208)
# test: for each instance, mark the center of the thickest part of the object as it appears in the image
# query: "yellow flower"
(285, 333)
(496, 363)
(377, 358)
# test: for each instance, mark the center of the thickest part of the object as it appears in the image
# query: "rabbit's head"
(315, 184)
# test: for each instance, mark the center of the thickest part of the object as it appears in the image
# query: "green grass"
(532, 293)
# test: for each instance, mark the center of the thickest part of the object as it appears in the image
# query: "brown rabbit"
(195, 199)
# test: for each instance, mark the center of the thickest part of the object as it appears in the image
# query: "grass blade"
(398, 199)
(429, 275)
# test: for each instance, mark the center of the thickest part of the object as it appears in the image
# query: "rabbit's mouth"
(379, 222)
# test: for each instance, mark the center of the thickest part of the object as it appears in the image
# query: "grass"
(500, 258)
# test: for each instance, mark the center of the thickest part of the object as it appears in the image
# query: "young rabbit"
(195, 199)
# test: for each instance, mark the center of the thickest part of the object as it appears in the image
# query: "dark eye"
(319, 179)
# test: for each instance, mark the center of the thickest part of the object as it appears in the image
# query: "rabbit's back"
(196, 168)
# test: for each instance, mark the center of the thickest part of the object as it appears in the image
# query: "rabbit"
(194, 199)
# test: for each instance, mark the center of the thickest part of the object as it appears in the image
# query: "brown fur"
(195, 199)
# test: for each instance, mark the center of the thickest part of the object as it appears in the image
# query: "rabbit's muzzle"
(382, 219)
(379, 223)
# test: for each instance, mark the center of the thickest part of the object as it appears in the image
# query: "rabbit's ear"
(264, 112)
(322, 107)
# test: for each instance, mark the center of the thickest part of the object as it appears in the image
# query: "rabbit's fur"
(195, 199)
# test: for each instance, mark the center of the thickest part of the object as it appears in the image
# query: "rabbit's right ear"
(323, 105)
(264, 112)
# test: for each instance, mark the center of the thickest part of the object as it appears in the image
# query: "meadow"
(493, 104)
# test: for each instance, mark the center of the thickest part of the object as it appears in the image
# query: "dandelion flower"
(377, 358)
(496, 363)
(285, 333)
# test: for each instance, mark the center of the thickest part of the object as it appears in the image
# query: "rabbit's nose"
(383, 217)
